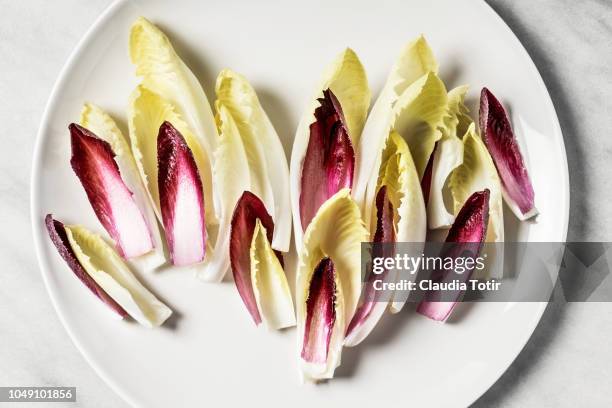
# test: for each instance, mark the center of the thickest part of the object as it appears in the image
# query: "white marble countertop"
(565, 364)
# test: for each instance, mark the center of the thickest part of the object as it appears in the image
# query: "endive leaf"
(447, 156)
(57, 233)
(181, 198)
(330, 159)
(415, 60)
(398, 183)
(93, 161)
(476, 173)
(466, 238)
(147, 111)
(270, 283)
(323, 325)
(346, 78)
(266, 157)
(503, 146)
(417, 116)
(164, 73)
(399, 174)
(373, 305)
(232, 178)
(109, 271)
(249, 210)
(335, 233)
(102, 125)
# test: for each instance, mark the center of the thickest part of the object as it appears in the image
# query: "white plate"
(212, 354)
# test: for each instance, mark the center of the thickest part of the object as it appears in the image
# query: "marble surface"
(565, 364)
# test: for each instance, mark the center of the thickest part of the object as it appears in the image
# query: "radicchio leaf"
(94, 164)
(464, 239)
(58, 236)
(320, 313)
(499, 138)
(330, 159)
(248, 210)
(181, 198)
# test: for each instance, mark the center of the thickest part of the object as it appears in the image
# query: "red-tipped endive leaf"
(346, 77)
(248, 210)
(336, 232)
(466, 236)
(94, 164)
(100, 123)
(320, 313)
(330, 159)
(373, 305)
(499, 138)
(181, 198)
(58, 236)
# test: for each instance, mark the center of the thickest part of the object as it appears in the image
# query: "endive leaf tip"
(148, 45)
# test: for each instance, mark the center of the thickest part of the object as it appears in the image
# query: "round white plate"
(211, 354)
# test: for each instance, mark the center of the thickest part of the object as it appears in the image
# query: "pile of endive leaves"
(212, 192)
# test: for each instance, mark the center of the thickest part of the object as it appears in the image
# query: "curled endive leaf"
(331, 252)
(266, 157)
(164, 73)
(447, 156)
(93, 161)
(415, 60)
(104, 272)
(269, 282)
(102, 125)
(345, 77)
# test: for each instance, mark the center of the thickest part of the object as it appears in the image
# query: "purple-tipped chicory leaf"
(181, 197)
(94, 164)
(464, 239)
(330, 159)
(58, 236)
(246, 213)
(499, 138)
(320, 313)
(371, 298)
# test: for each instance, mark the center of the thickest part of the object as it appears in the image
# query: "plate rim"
(44, 267)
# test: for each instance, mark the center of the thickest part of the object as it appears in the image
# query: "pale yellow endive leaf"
(163, 72)
(269, 173)
(270, 283)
